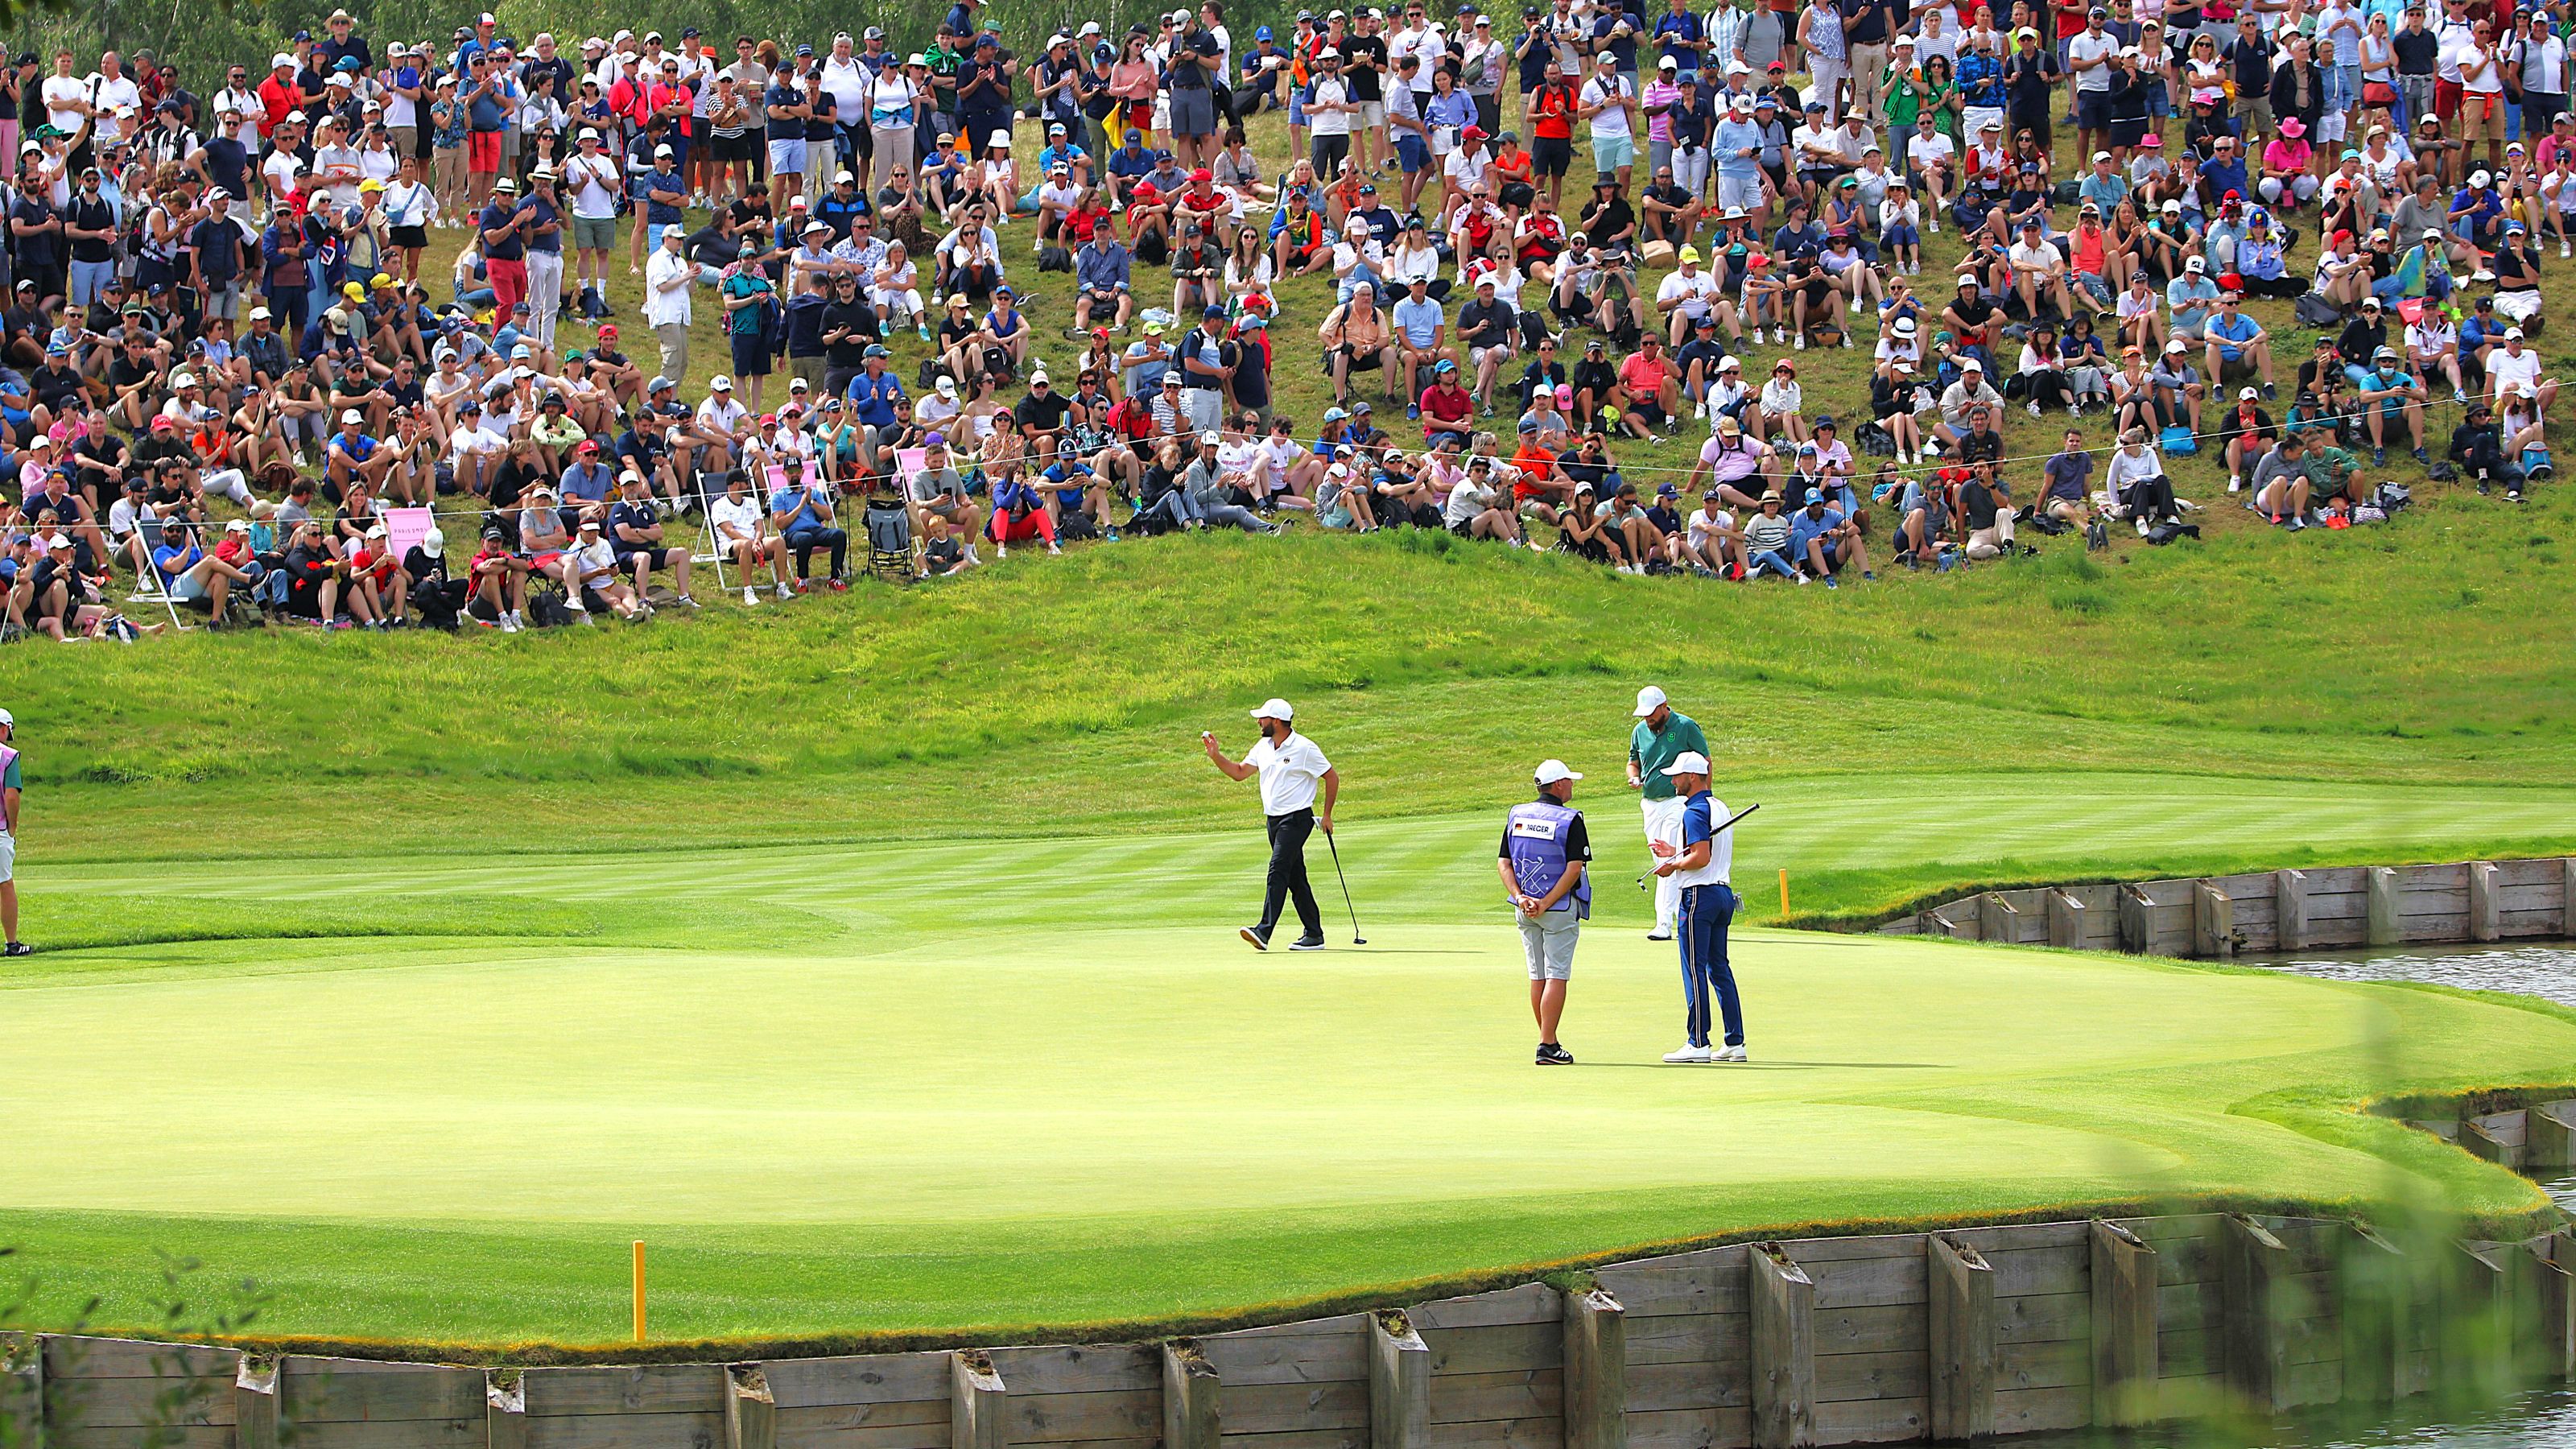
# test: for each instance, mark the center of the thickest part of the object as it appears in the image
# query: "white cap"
(1276, 709)
(2513, 334)
(720, 383)
(353, 416)
(2246, 394)
(6, 718)
(1650, 699)
(58, 541)
(2195, 264)
(1689, 762)
(1551, 771)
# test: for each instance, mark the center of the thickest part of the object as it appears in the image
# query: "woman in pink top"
(2287, 181)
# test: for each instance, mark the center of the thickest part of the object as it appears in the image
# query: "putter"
(1356, 938)
(1647, 881)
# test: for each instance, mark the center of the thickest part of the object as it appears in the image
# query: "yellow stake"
(1784, 915)
(639, 1277)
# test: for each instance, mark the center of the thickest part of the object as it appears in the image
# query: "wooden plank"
(75, 1356)
(1784, 1350)
(1546, 1431)
(1080, 1368)
(1710, 1280)
(1337, 1356)
(874, 1378)
(1895, 1328)
(1658, 1387)
(1286, 1408)
(1871, 1421)
(1496, 1349)
(2387, 926)
(1692, 1338)
(913, 1424)
(1301, 1439)
(2484, 924)
(2061, 1365)
(675, 1430)
(1841, 1376)
(2044, 1318)
(2065, 920)
(337, 1390)
(977, 1401)
(2022, 1272)
(1875, 1282)
(505, 1410)
(392, 1434)
(1082, 1418)
(2567, 896)
(2039, 1411)
(1690, 1429)
(1961, 1324)
(1528, 1303)
(654, 1388)
(2476, 1328)
(1399, 1364)
(2252, 1263)
(1526, 1394)
(751, 1413)
(255, 1404)
(1192, 1399)
(1596, 1371)
(94, 1436)
(2123, 1314)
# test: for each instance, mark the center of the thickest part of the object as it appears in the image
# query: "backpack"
(2164, 533)
(2177, 442)
(1054, 259)
(2313, 309)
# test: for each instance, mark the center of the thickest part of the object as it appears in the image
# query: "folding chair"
(709, 550)
(148, 586)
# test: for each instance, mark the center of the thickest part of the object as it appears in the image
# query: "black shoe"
(1552, 1055)
(1311, 941)
(1258, 936)
(18, 948)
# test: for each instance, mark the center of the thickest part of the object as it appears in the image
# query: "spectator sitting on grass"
(2064, 494)
(1767, 541)
(1824, 540)
(2281, 482)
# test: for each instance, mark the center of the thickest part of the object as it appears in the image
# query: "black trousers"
(1288, 872)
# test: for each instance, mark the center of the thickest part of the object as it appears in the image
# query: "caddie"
(1543, 866)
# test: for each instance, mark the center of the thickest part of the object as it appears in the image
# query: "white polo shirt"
(1289, 773)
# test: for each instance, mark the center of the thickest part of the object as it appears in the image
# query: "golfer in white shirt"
(1290, 767)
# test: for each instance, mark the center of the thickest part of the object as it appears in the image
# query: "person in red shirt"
(1447, 407)
(1647, 388)
(279, 95)
(1551, 122)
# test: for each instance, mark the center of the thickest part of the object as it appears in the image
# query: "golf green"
(1040, 1083)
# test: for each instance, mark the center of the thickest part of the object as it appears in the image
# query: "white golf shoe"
(1680, 1055)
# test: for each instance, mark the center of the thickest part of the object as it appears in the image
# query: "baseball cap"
(1691, 762)
(1551, 771)
(1650, 699)
(1275, 709)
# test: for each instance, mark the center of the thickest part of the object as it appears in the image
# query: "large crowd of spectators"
(225, 377)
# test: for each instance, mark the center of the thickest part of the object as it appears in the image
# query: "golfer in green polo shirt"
(1662, 736)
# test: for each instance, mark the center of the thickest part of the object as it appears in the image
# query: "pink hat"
(2293, 127)
(1564, 395)
(2151, 140)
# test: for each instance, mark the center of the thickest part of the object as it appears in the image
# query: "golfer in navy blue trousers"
(1699, 862)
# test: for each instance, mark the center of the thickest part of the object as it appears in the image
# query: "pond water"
(2536, 968)
(2529, 1421)
(2543, 1420)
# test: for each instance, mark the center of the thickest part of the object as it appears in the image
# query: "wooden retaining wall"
(2278, 910)
(1819, 1341)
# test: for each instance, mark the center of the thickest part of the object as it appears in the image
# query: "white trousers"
(1664, 822)
(545, 292)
